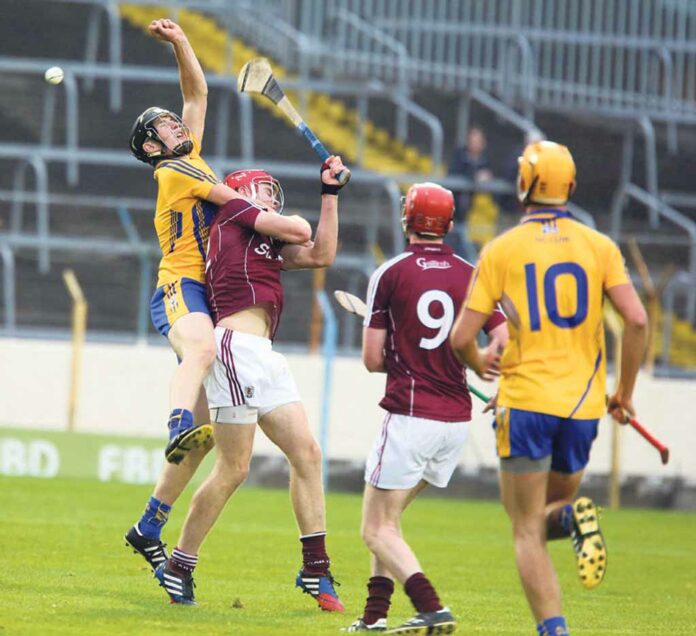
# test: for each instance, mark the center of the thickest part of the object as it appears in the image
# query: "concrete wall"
(124, 390)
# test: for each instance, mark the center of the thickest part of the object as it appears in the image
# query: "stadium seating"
(111, 281)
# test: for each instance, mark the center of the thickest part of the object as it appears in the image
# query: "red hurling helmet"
(261, 185)
(428, 209)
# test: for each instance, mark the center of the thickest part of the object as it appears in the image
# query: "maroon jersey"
(243, 266)
(416, 296)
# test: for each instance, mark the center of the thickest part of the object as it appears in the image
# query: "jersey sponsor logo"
(264, 249)
(424, 264)
(171, 297)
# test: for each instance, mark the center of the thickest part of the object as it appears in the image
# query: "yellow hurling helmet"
(546, 174)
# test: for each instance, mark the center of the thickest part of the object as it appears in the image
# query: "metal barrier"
(631, 191)
(529, 52)
(110, 9)
(681, 282)
(629, 57)
(329, 343)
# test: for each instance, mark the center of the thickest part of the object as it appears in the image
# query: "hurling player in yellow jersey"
(187, 199)
(550, 275)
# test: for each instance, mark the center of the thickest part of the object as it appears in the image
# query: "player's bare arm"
(484, 362)
(221, 193)
(498, 337)
(626, 301)
(322, 251)
(373, 349)
(194, 88)
(291, 229)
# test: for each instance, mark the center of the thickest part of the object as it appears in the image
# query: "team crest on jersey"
(549, 227)
(249, 391)
(424, 264)
(171, 297)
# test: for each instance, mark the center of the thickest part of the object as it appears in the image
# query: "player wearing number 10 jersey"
(411, 303)
(550, 274)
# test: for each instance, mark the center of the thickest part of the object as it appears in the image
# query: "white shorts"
(248, 378)
(413, 448)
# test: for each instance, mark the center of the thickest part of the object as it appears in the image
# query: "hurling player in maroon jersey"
(412, 300)
(250, 243)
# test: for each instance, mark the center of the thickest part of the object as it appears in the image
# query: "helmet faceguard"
(427, 209)
(177, 140)
(263, 188)
(546, 174)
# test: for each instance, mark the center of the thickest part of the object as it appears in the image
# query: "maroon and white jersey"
(416, 296)
(243, 266)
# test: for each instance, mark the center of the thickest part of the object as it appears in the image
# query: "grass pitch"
(64, 568)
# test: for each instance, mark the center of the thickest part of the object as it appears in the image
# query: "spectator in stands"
(478, 208)
(470, 161)
(187, 199)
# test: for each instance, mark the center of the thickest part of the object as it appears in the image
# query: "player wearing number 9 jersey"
(411, 303)
(550, 274)
(414, 298)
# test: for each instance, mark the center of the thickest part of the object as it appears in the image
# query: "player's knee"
(202, 355)
(308, 457)
(232, 476)
(369, 534)
(528, 534)
(376, 534)
(313, 453)
(207, 355)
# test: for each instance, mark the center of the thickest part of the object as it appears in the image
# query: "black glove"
(328, 188)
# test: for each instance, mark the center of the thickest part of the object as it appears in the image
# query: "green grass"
(64, 568)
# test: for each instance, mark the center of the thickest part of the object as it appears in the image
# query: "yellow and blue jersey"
(183, 216)
(549, 274)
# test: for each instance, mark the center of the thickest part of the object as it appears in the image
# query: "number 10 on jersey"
(551, 298)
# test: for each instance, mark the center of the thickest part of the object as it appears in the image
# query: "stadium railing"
(116, 73)
(533, 54)
(39, 156)
(607, 55)
(682, 283)
(629, 191)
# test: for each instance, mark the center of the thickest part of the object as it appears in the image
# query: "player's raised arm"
(194, 88)
(322, 252)
(221, 193)
(291, 229)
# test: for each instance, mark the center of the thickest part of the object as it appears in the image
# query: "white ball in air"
(54, 75)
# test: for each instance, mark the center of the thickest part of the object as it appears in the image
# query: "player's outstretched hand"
(620, 407)
(166, 30)
(489, 359)
(491, 405)
(329, 169)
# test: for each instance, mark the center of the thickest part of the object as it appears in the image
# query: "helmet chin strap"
(184, 148)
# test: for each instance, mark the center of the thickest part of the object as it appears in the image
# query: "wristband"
(328, 188)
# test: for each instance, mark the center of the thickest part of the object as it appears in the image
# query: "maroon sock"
(379, 592)
(182, 562)
(314, 557)
(422, 593)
